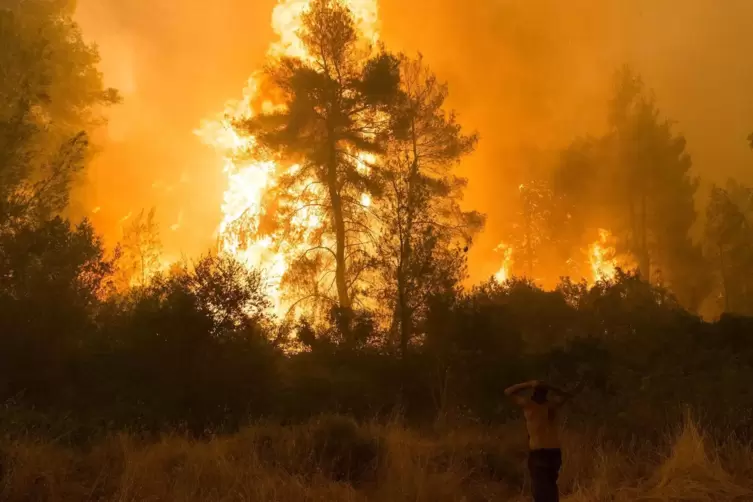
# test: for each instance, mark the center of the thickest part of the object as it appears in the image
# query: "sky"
(529, 75)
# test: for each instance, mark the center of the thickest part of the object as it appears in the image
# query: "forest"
(331, 346)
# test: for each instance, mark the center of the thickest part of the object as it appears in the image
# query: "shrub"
(344, 451)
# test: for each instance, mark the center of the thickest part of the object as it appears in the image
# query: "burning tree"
(299, 149)
(636, 182)
(340, 162)
(335, 104)
(729, 240)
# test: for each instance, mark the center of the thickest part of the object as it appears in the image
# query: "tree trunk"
(645, 257)
(529, 244)
(725, 286)
(405, 315)
(343, 295)
(338, 221)
(402, 312)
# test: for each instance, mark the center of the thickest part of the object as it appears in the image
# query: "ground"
(333, 459)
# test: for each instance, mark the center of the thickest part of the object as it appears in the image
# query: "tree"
(51, 95)
(53, 277)
(729, 237)
(530, 233)
(423, 226)
(191, 345)
(141, 250)
(335, 112)
(636, 181)
(657, 201)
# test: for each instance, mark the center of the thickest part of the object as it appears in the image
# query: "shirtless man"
(545, 457)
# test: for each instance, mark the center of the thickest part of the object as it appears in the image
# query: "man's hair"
(539, 394)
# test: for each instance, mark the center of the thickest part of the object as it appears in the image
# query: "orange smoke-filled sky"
(529, 75)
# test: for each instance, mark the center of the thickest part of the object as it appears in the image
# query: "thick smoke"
(530, 76)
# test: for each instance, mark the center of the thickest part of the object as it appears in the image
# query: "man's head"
(539, 394)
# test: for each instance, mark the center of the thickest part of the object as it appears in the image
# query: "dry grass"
(333, 460)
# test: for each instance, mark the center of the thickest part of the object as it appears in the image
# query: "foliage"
(377, 152)
(51, 95)
(729, 240)
(423, 227)
(636, 181)
(52, 278)
(335, 112)
(190, 346)
(141, 248)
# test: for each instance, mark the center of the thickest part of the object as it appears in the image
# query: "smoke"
(175, 63)
(529, 75)
(532, 75)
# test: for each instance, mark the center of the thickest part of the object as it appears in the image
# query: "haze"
(530, 76)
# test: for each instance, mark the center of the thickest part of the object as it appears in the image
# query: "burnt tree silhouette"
(336, 109)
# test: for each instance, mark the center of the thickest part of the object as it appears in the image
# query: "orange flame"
(250, 178)
(503, 275)
(601, 254)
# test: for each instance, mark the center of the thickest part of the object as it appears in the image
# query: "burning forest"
(356, 227)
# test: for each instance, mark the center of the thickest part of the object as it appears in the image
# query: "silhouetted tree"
(52, 279)
(422, 225)
(51, 93)
(335, 104)
(191, 346)
(141, 250)
(729, 236)
(531, 231)
(636, 182)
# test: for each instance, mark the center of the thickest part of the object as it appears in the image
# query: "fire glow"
(252, 175)
(601, 258)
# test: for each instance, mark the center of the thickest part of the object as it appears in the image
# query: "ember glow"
(252, 176)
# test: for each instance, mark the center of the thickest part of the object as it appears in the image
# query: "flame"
(503, 275)
(251, 179)
(286, 22)
(601, 254)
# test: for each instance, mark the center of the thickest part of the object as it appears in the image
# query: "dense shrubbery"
(195, 348)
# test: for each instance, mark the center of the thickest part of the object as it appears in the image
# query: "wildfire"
(503, 275)
(601, 255)
(251, 177)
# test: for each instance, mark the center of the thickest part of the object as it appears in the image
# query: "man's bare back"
(542, 425)
(540, 411)
(545, 458)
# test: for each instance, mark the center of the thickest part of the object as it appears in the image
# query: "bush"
(344, 451)
(52, 277)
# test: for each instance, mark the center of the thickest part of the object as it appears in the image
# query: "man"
(545, 457)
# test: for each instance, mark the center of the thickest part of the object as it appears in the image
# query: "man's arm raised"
(512, 391)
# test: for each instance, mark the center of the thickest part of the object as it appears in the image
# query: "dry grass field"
(333, 459)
